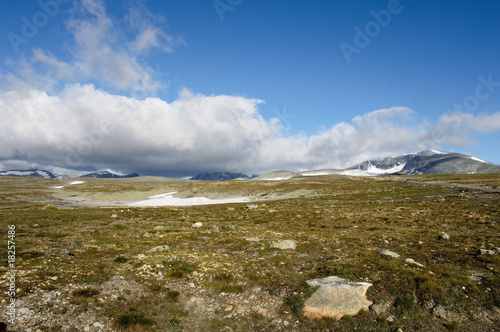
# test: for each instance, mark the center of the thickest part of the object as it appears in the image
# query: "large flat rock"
(336, 297)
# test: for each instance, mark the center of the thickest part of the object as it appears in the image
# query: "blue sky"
(179, 87)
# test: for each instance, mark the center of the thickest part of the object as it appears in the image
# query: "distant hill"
(30, 172)
(108, 175)
(221, 176)
(278, 175)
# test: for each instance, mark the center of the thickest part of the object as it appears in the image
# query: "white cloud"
(102, 52)
(195, 133)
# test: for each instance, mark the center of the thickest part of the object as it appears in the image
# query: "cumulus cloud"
(87, 128)
(102, 52)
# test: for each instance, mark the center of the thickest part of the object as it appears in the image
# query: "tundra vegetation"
(83, 262)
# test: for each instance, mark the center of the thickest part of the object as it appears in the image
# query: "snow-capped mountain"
(29, 172)
(221, 176)
(425, 162)
(108, 175)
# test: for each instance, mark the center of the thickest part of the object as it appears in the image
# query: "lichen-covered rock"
(159, 249)
(389, 253)
(336, 297)
(284, 245)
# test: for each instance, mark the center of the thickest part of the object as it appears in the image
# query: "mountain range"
(425, 162)
(108, 175)
(39, 173)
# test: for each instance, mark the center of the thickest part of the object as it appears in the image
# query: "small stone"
(447, 315)
(386, 252)
(286, 323)
(487, 252)
(445, 236)
(114, 215)
(160, 228)
(390, 319)
(159, 249)
(252, 239)
(411, 261)
(215, 229)
(284, 245)
(229, 308)
(98, 325)
(262, 311)
(197, 224)
(380, 308)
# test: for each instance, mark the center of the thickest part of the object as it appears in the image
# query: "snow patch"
(168, 199)
(373, 171)
(477, 159)
(76, 182)
(278, 178)
(437, 152)
(316, 173)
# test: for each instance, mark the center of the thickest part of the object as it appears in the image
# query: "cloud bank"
(86, 128)
(89, 112)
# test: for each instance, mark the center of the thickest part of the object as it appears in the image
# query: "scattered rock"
(390, 319)
(336, 297)
(411, 261)
(380, 308)
(252, 239)
(159, 249)
(160, 228)
(284, 245)
(487, 252)
(447, 315)
(215, 229)
(98, 325)
(252, 206)
(114, 215)
(262, 311)
(445, 236)
(197, 224)
(386, 252)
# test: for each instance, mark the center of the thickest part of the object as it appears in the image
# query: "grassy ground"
(83, 265)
